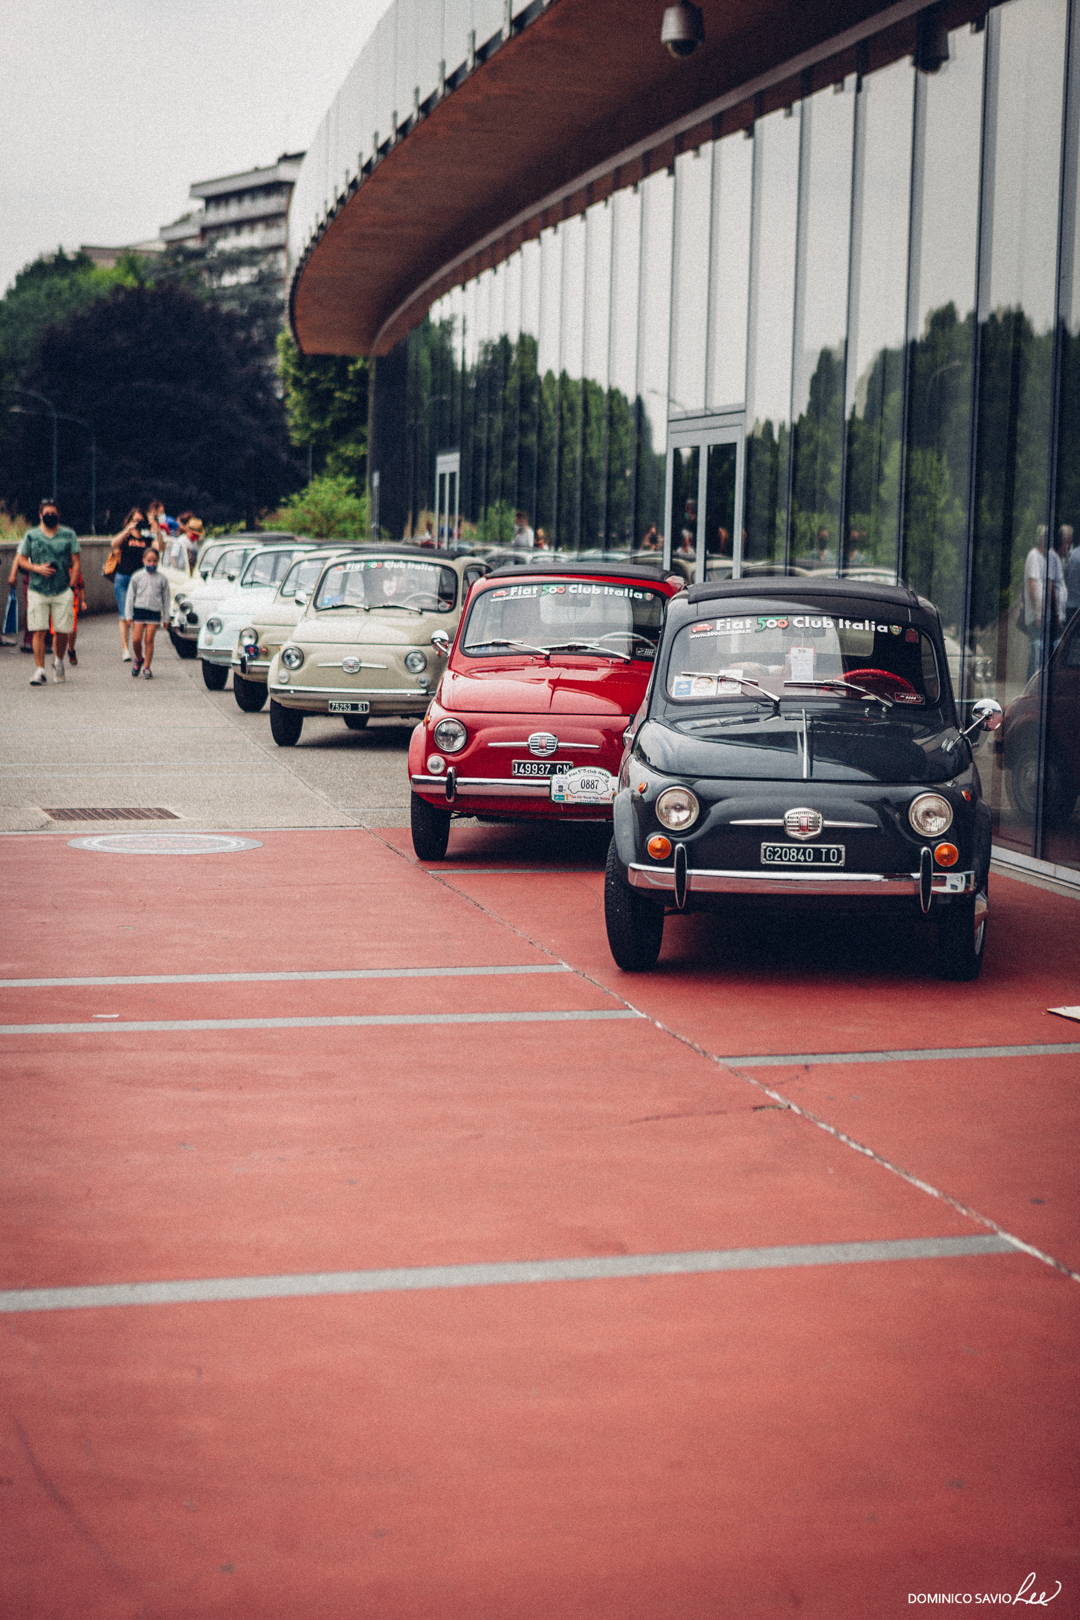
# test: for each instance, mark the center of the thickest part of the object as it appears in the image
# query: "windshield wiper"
(519, 646)
(717, 722)
(846, 686)
(375, 607)
(752, 686)
(590, 646)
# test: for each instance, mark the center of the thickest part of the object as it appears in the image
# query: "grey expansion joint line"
(774, 1096)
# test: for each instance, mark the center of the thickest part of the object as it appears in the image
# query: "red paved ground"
(821, 1441)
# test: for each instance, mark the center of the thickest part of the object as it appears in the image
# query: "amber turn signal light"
(946, 854)
(659, 847)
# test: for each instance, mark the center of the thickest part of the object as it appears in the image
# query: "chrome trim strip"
(352, 691)
(339, 663)
(521, 787)
(567, 745)
(782, 882)
(778, 821)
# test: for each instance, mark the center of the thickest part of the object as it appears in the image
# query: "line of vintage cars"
(771, 742)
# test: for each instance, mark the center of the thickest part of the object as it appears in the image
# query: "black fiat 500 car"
(799, 744)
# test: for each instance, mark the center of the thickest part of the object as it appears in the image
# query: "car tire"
(214, 676)
(960, 948)
(182, 647)
(250, 695)
(430, 829)
(635, 926)
(285, 725)
(357, 722)
(1059, 789)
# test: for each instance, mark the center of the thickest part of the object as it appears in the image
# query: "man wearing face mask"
(147, 607)
(49, 554)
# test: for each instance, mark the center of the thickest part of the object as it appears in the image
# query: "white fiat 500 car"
(220, 564)
(373, 639)
(253, 592)
(264, 631)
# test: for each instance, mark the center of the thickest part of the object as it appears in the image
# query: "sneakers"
(38, 678)
(58, 673)
(72, 657)
(136, 665)
(125, 656)
(147, 674)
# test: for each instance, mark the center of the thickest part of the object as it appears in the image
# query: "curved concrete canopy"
(582, 100)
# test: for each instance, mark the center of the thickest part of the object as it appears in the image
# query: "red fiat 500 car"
(550, 664)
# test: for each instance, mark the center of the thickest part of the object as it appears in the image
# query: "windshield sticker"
(802, 663)
(626, 593)
(792, 621)
(907, 697)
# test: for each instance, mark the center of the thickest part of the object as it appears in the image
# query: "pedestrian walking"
(78, 591)
(147, 606)
(124, 560)
(49, 556)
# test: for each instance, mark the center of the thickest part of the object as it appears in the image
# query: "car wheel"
(357, 722)
(635, 926)
(285, 725)
(960, 944)
(182, 647)
(1059, 789)
(250, 695)
(430, 829)
(214, 676)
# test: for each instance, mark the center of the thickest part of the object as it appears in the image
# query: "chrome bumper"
(879, 884)
(503, 787)
(352, 692)
(256, 668)
(212, 655)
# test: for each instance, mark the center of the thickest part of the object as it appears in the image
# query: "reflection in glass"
(622, 367)
(729, 271)
(1016, 571)
(528, 378)
(685, 470)
(658, 197)
(772, 305)
(720, 466)
(828, 123)
(547, 363)
(879, 256)
(572, 350)
(941, 325)
(690, 280)
(598, 224)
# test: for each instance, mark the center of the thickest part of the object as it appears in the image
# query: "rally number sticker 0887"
(585, 785)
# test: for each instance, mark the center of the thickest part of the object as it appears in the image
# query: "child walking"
(147, 606)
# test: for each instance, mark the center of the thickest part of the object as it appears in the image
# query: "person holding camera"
(127, 549)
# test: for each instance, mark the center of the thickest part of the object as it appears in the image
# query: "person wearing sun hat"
(191, 532)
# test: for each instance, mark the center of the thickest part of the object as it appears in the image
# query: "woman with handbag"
(126, 558)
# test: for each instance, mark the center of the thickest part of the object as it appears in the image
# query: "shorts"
(120, 584)
(145, 616)
(61, 609)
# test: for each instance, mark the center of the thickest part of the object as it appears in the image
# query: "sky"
(111, 109)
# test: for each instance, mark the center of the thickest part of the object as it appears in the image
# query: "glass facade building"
(835, 331)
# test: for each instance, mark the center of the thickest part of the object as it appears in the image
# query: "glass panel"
(685, 466)
(719, 509)
(622, 363)
(528, 382)
(405, 80)
(510, 337)
(572, 350)
(654, 309)
(948, 107)
(429, 46)
(828, 130)
(729, 286)
(772, 311)
(594, 386)
(1017, 573)
(876, 332)
(457, 21)
(690, 280)
(547, 437)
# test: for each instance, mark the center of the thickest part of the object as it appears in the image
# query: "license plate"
(540, 767)
(802, 854)
(585, 785)
(347, 706)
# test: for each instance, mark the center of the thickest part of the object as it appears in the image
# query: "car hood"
(771, 748)
(206, 594)
(393, 628)
(244, 605)
(535, 688)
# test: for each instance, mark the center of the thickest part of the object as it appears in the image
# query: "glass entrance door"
(447, 497)
(704, 500)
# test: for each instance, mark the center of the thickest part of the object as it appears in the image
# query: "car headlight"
(677, 808)
(415, 661)
(451, 736)
(249, 637)
(214, 627)
(930, 815)
(292, 657)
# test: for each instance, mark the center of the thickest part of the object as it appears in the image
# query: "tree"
(181, 401)
(326, 402)
(327, 509)
(43, 294)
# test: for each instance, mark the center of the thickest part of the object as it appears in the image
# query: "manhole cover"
(170, 843)
(100, 813)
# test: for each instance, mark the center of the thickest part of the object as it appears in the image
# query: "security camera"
(683, 28)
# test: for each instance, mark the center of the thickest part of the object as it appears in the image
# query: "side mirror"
(230, 578)
(988, 713)
(301, 598)
(441, 642)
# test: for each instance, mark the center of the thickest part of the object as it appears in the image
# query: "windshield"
(616, 620)
(771, 652)
(302, 576)
(230, 562)
(267, 567)
(388, 582)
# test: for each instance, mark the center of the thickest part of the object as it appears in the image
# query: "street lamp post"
(30, 394)
(61, 416)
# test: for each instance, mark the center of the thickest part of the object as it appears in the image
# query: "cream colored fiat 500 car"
(373, 639)
(262, 632)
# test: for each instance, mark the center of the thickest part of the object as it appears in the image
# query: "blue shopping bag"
(11, 617)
